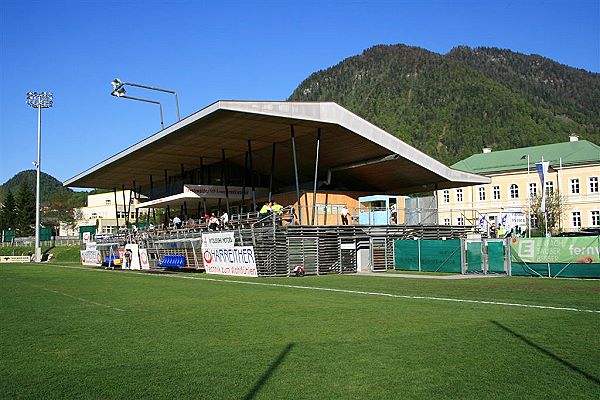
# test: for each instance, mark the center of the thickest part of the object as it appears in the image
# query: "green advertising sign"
(578, 250)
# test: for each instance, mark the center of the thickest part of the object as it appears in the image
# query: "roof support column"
(151, 188)
(182, 177)
(272, 171)
(135, 197)
(201, 171)
(314, 212)
(125, 206)
(167, 192)
(116, 208)
(251, 175)
(151, 198)
(225, 178)
(296, 174)
(244, 183)
(202, 183)
(129, 203)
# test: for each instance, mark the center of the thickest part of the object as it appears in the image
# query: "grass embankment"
(89, 333)
(68, 254)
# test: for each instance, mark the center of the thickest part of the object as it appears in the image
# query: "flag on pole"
(542, 169)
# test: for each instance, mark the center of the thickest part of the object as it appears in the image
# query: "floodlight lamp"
(116, 83)
(120, 92)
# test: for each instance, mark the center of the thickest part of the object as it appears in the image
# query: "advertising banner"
(87, 236)
(219, 192)
(237, 261)
(144, 263)
(15, 259)
(578, 250)
(91, 257)
(217, 240)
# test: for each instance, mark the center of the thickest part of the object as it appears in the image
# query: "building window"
(460, 220)
(576, 219)
(107, 202)
(532, 189)
(496, 192)
(533, 221)
(575, 186)
(446, 196)
(549, 188)
(459, 195)
(593, 181)
(446, 221)
(481, 194)
(595, 218)
(514, 191)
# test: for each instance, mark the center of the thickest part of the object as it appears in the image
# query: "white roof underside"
(349, 144)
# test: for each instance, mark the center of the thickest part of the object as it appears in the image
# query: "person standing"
(224, 220)
(177, 222)
(213, 222)
(345, 215)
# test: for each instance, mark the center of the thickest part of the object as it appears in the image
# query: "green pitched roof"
(572, 153)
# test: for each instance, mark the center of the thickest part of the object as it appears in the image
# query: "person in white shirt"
(213, 222)
(177, 222)
(345, 215)
(224, 219)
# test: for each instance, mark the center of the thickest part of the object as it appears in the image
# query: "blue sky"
(226, 50)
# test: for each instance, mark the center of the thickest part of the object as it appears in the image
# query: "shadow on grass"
(542, 350)
(267, 375)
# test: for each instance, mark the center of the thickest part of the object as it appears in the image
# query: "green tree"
(25, 210)
(554, 212)
(8, 212)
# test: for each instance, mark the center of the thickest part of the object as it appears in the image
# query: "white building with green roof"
(515, 190)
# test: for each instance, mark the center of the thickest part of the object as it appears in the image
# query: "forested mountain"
(450, 106)
(17, 202)
(49, 185)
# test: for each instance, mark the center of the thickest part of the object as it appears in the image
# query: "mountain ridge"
(451, 105)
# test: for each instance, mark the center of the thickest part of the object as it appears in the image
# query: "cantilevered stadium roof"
(354, 153)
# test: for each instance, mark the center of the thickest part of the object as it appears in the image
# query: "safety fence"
(452, 256)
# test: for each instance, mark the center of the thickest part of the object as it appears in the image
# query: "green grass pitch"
(76, 332)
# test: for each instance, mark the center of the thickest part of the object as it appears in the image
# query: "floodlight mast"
(120, 92)
(118, 84)
(39, 101)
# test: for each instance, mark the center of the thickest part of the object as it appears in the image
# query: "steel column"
(225, 179)
(296, 174)
(116, 208)
(251, 174)
(315, 180)
(272, 171)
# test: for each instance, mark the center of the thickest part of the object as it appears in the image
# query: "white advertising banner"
(217, 192)
(217, 240)
(132, 256)
(144, 259)
(237, 261)
(86, 237)
(91, 257)
(15, 259)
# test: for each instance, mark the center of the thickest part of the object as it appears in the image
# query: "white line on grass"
(381, 294)
(75, 297)
(81, 299)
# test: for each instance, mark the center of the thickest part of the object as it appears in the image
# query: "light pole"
(39, 101)
(120, 92)
(118, 84)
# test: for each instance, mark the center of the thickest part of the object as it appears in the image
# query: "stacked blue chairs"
(111, 259)
(173, 261)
